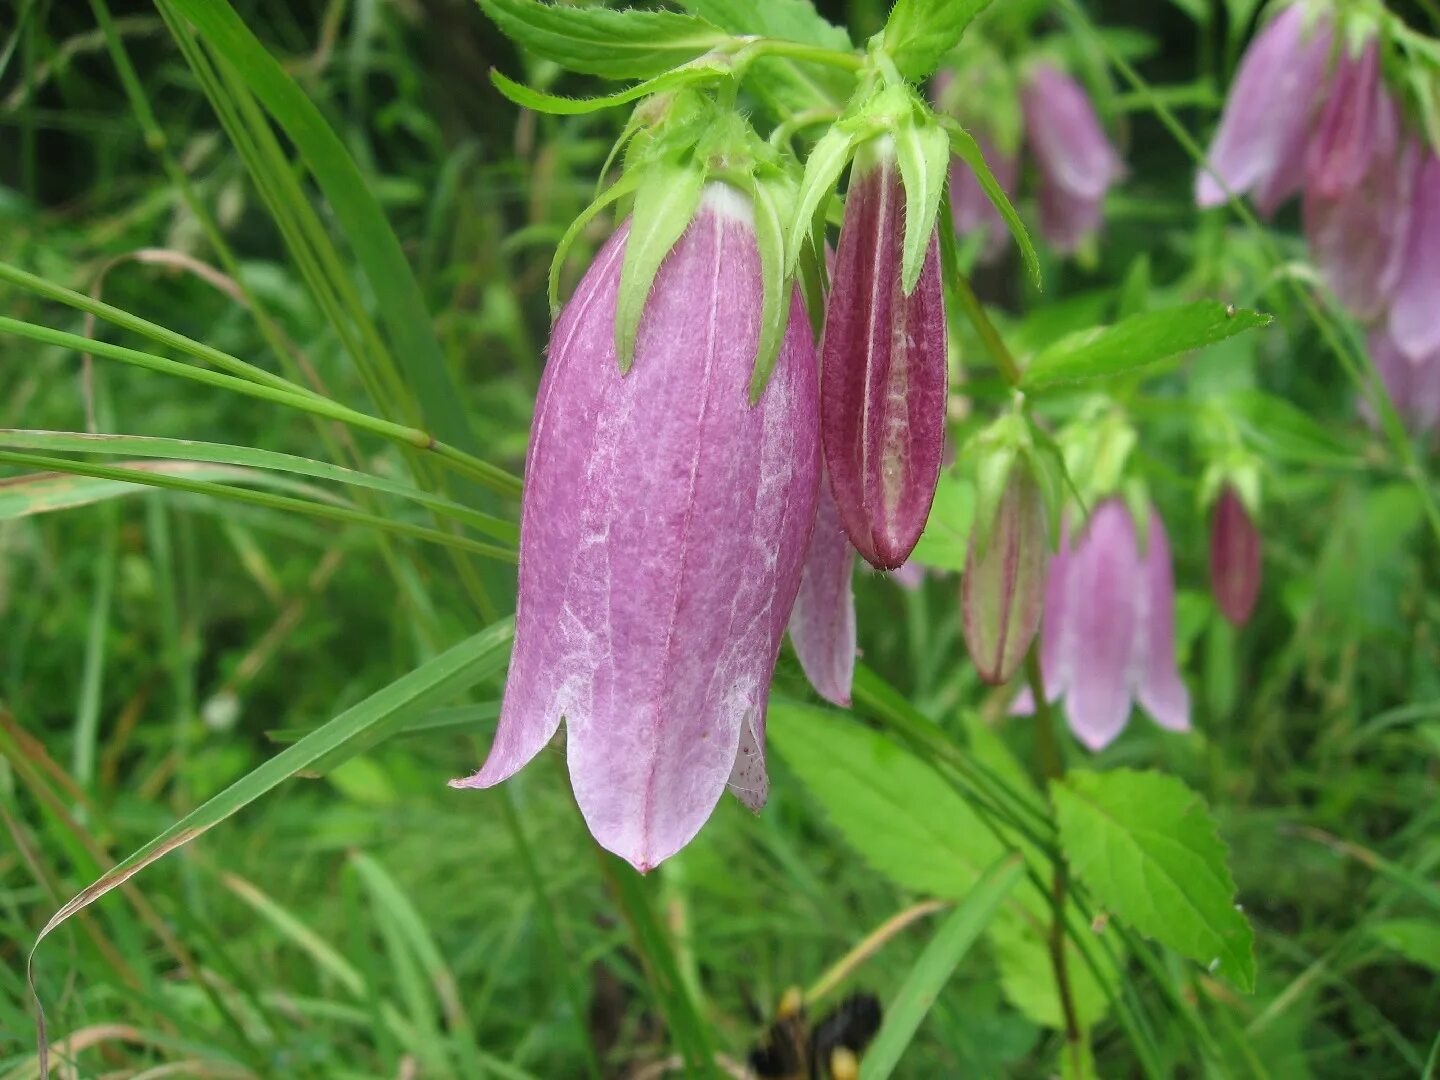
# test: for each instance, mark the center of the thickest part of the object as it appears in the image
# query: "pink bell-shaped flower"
(1109, 628)
(663, 529)
(1413, 386)
(1260, 146)
(883, 369)
(1234, 558)
(1415, 304)
(822, 624)
(1076, 161)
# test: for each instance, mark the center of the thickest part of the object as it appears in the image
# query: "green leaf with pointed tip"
(968, 150)
(664, 204)
(822, 171)
(528, 98)
(922, 151)
(598, 41)
(770, 219)
(784, 86)
(789, 20)
(1147, 848)
(953, 939)
(622, 187)
(919, 33)
(1134, 342)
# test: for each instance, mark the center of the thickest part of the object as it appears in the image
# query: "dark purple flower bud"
(1260, 146)
(1004, 584)
(1109, 628)
(883, 369)
(662, 534)
(822, 624)
(1415, 307)
(1077, 163)
(1234, 558)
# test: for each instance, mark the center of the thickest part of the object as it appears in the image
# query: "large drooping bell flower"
(822, 623)
(663, 528)
(1415, 303)
(1109, 628)
(1076, 161)
(1358, 128)
(883, 369)
(1260, 146)
(1234, 557)
(1358, 238)
(1413, 386)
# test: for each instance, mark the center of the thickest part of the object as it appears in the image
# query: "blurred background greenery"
(365, 921)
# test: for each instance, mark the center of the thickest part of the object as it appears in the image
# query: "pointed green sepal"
(773, 201)
(622, 187)
(665, 202)
(968, 150)
(822, 171)
(922, 150)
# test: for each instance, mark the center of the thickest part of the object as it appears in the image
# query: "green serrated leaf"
(822, 171)
(1147, 848)
(790, 20)
(528, 98)
(627, 44)
(665, 203)
(1418, 940)
(919, 33)
(1139, 340)
(770, 221)
(893, 808)
(968, 150)
(923, 153)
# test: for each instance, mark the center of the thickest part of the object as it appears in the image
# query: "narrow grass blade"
(252, 457)
(149, 474)
(937, 963)
(448, 674)
(402, 305)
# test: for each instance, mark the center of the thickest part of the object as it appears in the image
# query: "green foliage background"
(361, 919)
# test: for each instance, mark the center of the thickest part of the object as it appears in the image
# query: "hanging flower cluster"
(729, 413)
(1043, 111)
(1311, 114)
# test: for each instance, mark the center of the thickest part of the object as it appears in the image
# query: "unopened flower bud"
(1003, 589)
(883, 369)
(1234, 558)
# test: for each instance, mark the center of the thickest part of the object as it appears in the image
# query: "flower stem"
(996, 346)
(1053, 767)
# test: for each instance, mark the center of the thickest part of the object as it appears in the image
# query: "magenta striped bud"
(1076, 161)
(883, 369)
(1003, 588)
(1234, 558)
(822, 624)
(663, 530)
(1269, 114)
(1109, 628)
